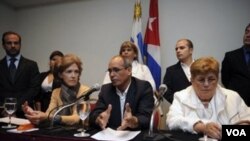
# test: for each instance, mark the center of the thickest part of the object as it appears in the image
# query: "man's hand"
(103, 118)
(128, 120)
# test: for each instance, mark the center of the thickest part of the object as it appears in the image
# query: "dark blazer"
(235, 74)
(43, 96)
(176, 80)
(139, 96)
(25, 86)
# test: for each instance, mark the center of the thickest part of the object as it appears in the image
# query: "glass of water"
(83, 109)
(10, 108)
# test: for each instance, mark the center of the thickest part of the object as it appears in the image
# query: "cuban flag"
(152, 43)
(136, 36)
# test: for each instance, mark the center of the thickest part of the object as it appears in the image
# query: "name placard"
(239, 132)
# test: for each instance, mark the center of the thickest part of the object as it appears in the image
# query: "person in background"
(205, 106)
(140, 71)
(69, 72)
(48, 81)
(177, 76)
(124, 104)
(235, 71)
(19, 76)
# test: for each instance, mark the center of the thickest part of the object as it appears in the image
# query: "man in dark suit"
(177, 77)
(23, 83)
(235, 71)
(126, 103)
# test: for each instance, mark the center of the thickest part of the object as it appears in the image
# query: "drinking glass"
(10, 108)
(83, 109)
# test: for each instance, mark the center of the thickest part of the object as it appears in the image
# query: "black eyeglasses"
(115, 70)
(10, 43)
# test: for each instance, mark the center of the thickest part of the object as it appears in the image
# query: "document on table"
(14, 120)
(19, 131)
(115, 135)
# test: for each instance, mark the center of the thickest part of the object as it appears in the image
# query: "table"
(66, 134)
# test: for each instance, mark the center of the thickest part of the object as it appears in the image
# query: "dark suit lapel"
(180, 71)
(131, 98)
(240, 59)
(116, 101)
(5, 68)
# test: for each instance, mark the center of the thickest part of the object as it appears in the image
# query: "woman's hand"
(33, 116)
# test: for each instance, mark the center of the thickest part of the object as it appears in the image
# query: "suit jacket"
(139, 97)
(176, 80)
(25, 86)
(235, 74)
(43, 96)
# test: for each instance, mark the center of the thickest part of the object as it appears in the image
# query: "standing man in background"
(19, 76)
(177, 77)
(235, 71)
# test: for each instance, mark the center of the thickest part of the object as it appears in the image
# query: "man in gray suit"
(20, 78)
(124, 104)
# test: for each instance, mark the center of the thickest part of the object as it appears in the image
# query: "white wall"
(94, 29)
(7, 21)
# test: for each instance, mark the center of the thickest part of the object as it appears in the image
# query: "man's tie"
(12, 68)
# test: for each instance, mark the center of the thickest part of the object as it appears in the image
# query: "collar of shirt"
(186, 70)
(17, 59)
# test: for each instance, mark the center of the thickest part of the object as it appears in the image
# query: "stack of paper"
(115, 135)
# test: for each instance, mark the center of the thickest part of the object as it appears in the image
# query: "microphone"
(85, 97)
(162, 90)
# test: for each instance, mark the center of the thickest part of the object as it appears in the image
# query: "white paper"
(207, 139)
(19, 131)
(115, 135)
(14, 120)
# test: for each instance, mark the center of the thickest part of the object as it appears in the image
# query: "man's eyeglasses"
(115, 70)
(12, 43)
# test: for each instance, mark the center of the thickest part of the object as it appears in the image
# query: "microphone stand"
(151, 125)
(151, 135)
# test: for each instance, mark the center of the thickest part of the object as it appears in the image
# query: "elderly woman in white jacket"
(204, 106)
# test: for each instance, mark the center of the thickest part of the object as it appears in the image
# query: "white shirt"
(122, 96)
(186, 69)
(16, 62)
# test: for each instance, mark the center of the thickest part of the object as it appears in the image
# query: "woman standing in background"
(140, 71)
(48, 81)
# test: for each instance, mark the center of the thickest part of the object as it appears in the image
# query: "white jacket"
(227, 108)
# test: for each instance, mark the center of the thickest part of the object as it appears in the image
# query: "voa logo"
(236, 132)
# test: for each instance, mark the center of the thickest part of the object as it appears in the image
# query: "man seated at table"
(204, 106)
(126, 102)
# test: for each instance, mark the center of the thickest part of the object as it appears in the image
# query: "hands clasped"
(33, 116)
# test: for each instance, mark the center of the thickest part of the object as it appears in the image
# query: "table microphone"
(162, 90)
(95, 87)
